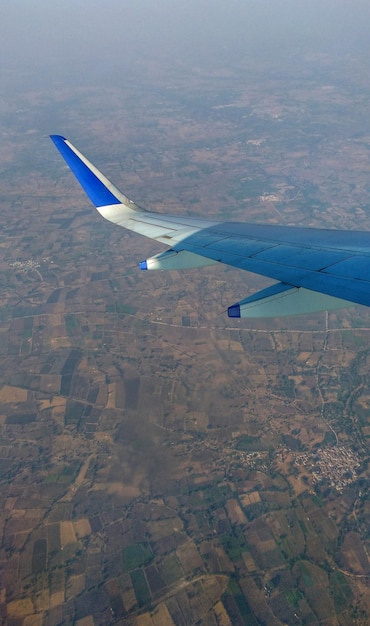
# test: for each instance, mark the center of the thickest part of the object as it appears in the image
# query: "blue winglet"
(91, 180)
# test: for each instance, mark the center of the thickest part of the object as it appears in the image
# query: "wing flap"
(280, 299)
(357, 267)
(307, 258)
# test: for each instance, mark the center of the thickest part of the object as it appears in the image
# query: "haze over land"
(159, 463)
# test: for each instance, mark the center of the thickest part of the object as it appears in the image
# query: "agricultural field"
(161, 464)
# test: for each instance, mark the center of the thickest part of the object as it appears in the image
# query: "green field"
(140, 587)
(135, 556)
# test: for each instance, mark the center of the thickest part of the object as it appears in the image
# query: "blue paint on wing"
(233, 311)
(96, 190)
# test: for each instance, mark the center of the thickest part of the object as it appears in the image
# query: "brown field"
(141, 386)
(67, 533)
(189, 558)
(221, 615)
(297, 484)
(82, 528)
(355, 555)
(161, 616)
(42, 601)
(235, 513)
(75, 585)
(86, 621)
(129, 600)
(248, 499)
(12, 394)
(317, 594)
(33, 620)
(20, 608)
(166, 527)
(144, 620)
(56, 599)
(249, 562)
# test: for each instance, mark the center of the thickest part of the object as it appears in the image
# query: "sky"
(54, 50)
(44, 41)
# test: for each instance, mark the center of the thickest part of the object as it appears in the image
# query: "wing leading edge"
(316, 269)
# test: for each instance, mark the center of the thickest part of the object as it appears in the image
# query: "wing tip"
(97, 187)
(57, 139)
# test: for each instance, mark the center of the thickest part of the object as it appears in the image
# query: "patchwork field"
(161, 464)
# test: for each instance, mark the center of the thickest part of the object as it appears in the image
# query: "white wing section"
(168, 229)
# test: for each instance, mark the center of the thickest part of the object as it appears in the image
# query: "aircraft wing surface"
(316, 269)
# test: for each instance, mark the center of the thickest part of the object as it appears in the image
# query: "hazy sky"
(51, 50)
(46, 41)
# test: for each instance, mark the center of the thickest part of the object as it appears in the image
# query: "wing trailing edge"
(280, 300)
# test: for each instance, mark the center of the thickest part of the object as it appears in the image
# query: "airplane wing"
(315, 269)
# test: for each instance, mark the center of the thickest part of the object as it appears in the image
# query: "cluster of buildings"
(339, 465)
(24, 266)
